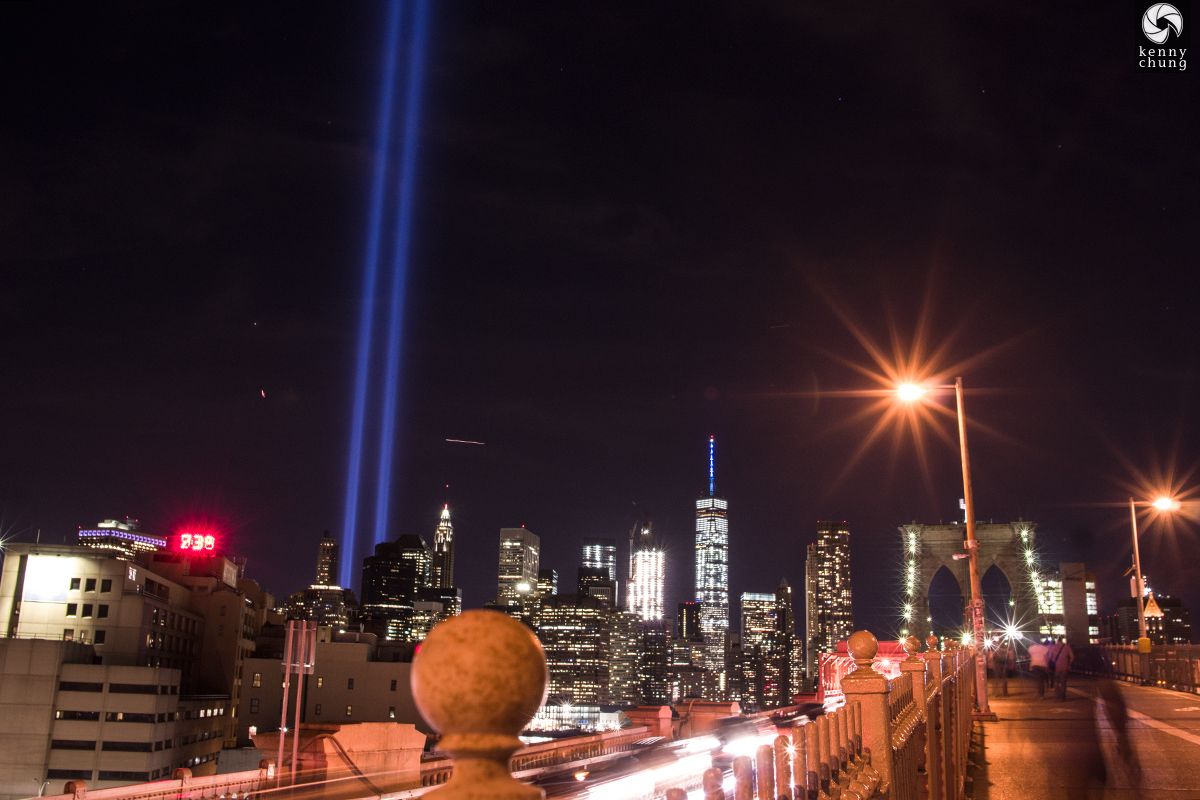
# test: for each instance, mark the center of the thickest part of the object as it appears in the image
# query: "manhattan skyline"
(628, 236)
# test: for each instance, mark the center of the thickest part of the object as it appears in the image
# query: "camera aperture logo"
(1163, 43)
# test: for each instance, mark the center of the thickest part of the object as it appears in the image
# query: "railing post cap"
(863, 646)
(931, 642)
(911, 646)
(480, 673)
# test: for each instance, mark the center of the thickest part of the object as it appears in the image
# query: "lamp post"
(909, 393)
(1137, 582)
(1165, 504)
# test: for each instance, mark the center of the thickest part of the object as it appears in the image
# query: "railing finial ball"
(478, 679)
(931, 642)
(863, 646)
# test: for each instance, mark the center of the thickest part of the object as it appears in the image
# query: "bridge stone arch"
(928, 548)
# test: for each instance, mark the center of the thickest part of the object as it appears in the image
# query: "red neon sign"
(197, 542)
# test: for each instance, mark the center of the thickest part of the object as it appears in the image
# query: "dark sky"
(633, 225)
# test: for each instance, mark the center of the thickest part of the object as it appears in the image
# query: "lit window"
(349, 710)
(391, 712)
(257, 680)
(320, 682)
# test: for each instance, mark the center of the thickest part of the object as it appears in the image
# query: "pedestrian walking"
(1061, 657)
(1039, 653)
(1003, 659)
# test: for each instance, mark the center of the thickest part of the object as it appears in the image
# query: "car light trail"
(404, 209)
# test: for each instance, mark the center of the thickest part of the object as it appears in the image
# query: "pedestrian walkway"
(1074, 748)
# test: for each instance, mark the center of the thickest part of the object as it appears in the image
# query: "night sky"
(636, 225)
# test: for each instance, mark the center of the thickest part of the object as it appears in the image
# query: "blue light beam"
(383, 134)
(404, 215)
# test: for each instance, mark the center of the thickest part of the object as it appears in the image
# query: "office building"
(68, 716)
(443, 552)
(547, 582)
(575, 633)
(647, 573)
(688, 621)
(121, 539)
(789, 649)
(654, 661)
(625, 686)
(827, 597)
(759, 682)
(391, 580)
(324, 602)
(758, 619)
(325, 605)
(327, 561)
(356, 678)
(520, 552)
(712, 570)
(174, 623)
(594, 582)
(600, 553)
(1168, 622)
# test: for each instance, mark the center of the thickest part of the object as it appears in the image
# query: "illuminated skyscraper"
(547, 584)
(758, 620)
(327, 561)
(712, 570)
(602, 554)
(647, 574)
(443, 552)
(829, 612)
(688, 621)
(520, 554)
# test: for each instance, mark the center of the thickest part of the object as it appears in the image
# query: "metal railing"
(1169, 666)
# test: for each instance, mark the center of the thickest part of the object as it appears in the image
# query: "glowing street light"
(909, 392)
(1165, 504)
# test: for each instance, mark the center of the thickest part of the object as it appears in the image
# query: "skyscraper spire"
(712, 485)
(443, 551)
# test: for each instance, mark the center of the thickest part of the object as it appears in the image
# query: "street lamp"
(909, 393)
(1166, 504)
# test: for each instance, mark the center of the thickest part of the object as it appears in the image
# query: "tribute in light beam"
(370, 268)
(404, 213)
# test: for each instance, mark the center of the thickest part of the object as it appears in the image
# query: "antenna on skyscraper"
(711, 482)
